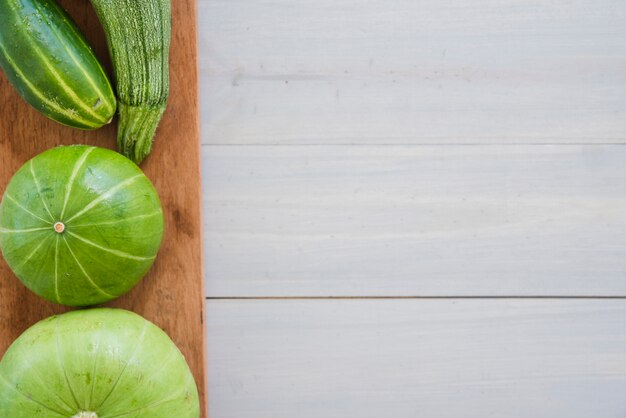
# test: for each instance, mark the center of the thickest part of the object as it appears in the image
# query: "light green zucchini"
(138, 35)
(48, 61)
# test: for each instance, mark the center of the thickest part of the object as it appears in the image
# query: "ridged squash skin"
(80, 225)
(138, 34)
(96, 363)
(48, 61)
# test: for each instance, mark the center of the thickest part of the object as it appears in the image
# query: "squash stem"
(136, 130)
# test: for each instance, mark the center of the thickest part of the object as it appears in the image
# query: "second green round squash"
(96, 363)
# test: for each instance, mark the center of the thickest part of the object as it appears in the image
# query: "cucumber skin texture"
(125, 224)
(77, 358)
(138, 35)
(50, 64)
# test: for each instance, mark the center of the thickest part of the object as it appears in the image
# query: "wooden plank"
(417, 358)
(415, 220)
(405, 71)
(172, 294)
(407, 110)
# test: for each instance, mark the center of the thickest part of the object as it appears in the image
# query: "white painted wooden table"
(415, 208)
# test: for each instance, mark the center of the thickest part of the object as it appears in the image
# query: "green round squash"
(80, 225)
(96, 363)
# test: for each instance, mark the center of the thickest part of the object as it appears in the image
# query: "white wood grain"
(402, 220)
(335, 219)
(412, 71)
(417, 358)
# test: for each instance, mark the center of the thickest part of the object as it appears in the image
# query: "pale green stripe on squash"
(21, 231)
(89, 279)
(44, 387)
(56, 268)
(30, 399)
(111, 250)
(105, 196)
(70, 183)
(38, 187)
(140, 339)
(61, 363)
(19, 205)
(17, 269)
(119, 221)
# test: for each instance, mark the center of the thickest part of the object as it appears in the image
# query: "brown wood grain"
(172, 294)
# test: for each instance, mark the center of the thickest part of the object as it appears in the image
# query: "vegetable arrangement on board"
(81, 225)
(48, 61)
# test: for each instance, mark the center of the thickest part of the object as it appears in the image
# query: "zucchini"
(50, 64)
(138, 36)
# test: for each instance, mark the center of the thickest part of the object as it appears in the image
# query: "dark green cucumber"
(48, 61)
(138, 35)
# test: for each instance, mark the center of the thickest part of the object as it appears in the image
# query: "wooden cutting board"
(172, 294)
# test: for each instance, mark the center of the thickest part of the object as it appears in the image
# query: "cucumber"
(48, 61)
(138, 35)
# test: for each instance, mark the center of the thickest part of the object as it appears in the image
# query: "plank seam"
(454, 297)
(425, 144)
